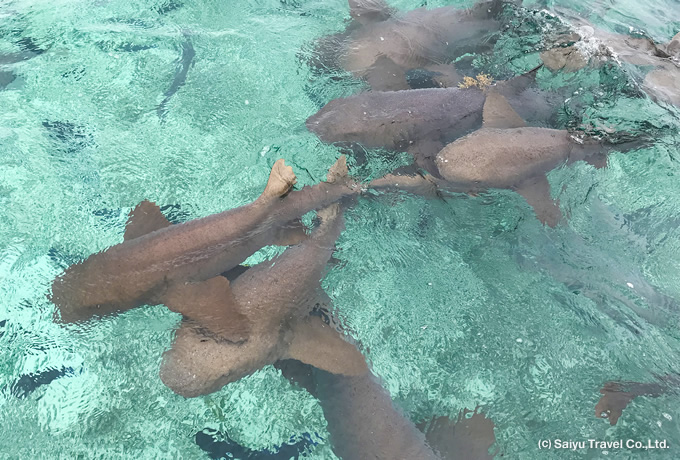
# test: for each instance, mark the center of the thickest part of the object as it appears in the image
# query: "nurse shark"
(159, 263)
(273, 300)
(381, 45)
(505, 154)
(363, 422)
(423, 121)
(589, 44)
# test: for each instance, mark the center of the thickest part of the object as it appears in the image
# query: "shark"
(159, 263)
(423, 121)
(185, 63)
(381, 45)
(506, 154)
(364, 423)
(588, 44)
(274, 300)
(28, 50)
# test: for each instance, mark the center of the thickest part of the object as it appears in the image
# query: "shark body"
(274, 298)
(381, 45)
(160, 263)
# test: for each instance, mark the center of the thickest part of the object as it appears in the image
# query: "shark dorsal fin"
(320, 345)
(145, 218)
(338, 173)
(498, 113)
(281, 180)
(673, 47)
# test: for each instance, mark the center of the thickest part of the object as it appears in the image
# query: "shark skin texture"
(159, 263)
(505, 154)
(274, 299)
(381, 45)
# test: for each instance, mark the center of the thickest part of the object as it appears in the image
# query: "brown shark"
(381, 45)
(662, 83)
(273, 301)
(421, 121)
(159, 263)
(505, 153)
(363, 422)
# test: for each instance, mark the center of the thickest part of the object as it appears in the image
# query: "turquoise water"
(456, 303)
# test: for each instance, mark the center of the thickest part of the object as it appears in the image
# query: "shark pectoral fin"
(281, 180)
(599, 160)
(467, 437)
(211, 305)
(498, 113)
(386, 75)
(294, 232)
(320, 345)
(145, 218)
(536, 190)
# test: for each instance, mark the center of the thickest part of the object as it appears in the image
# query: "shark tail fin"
(281, 180)
(467, 437)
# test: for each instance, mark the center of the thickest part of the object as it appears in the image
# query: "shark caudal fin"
(467, 437)
(498, 113)
(320, 345)
(145, 218)
(281, 180)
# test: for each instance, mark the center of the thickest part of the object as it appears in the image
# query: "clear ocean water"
(457, 303)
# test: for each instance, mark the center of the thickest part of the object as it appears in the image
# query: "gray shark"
(28, 50)
(505, 153)
(421, 121)
(186, 62)
(159, 263)
(364, 423)
(273, 300)
(381, 45)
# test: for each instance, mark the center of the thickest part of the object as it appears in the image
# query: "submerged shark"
(423, 121)
(381, 46)
(505, 153)
(185, 63)
(589, 44)
(364, 423)
(272, 300)
(159, 263)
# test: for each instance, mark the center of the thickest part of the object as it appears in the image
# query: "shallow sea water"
(458, 303)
